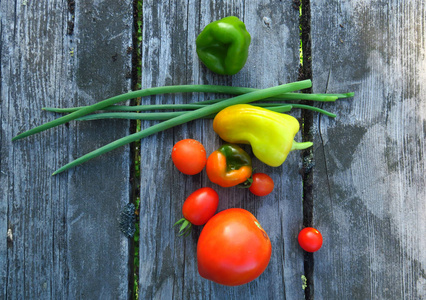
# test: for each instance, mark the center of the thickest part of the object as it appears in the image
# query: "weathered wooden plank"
(168, 268)
(66, 240)
(369, 179)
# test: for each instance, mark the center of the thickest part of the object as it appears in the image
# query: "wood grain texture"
(370, 161)
(64, 238)
(168, 268)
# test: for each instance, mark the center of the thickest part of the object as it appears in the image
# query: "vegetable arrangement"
(233, 248)
(244, 96)
(178, 120)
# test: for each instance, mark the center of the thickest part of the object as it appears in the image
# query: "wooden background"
(366, 192)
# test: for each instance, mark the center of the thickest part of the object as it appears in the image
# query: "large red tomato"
(233, 248)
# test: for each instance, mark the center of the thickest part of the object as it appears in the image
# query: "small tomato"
(197, 209)
(189, 156)
(262, 184)
(310, 239)
(233, 249)
(200, 206)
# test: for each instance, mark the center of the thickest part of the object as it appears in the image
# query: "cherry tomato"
(310, 239)
(262, 184)
(233, 248)
(200, 206)
(189, 156)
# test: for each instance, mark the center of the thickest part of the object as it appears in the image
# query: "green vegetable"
(189, 116)
(232, 90)
(223, 45)
(85, 110)
(141, 93)
(204, 109)
(161, 116)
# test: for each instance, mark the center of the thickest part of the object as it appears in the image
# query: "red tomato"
(310, 239)
(200, 206)
(233, 248)
(262, 184)
(189, 156)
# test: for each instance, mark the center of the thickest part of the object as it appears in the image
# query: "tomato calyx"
(197, 209)
(185, 227)
(246, 184)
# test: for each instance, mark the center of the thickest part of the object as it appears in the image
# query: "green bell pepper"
(223, 45)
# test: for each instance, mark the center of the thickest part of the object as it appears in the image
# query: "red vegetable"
(228, 166)
(262, 184)
(310, 239)
(198, 208)
(189, 156)
(233, 248)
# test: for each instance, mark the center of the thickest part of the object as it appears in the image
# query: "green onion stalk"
(199, 88)
(161, 116)
(186, 117)
(202, 109)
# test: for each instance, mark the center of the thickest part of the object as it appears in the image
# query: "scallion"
(186, 117)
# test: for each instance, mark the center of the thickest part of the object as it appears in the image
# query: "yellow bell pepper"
(270, 134)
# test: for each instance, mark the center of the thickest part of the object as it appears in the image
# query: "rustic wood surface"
(63, 237)
(60, 235)
(369, 177)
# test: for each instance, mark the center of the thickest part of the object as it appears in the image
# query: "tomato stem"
(185, 228)
(246, 184)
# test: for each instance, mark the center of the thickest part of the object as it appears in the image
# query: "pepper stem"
(301, 146)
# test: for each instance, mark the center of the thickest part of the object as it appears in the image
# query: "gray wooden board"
(64, 240)
(168, 266)
(369, 178)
